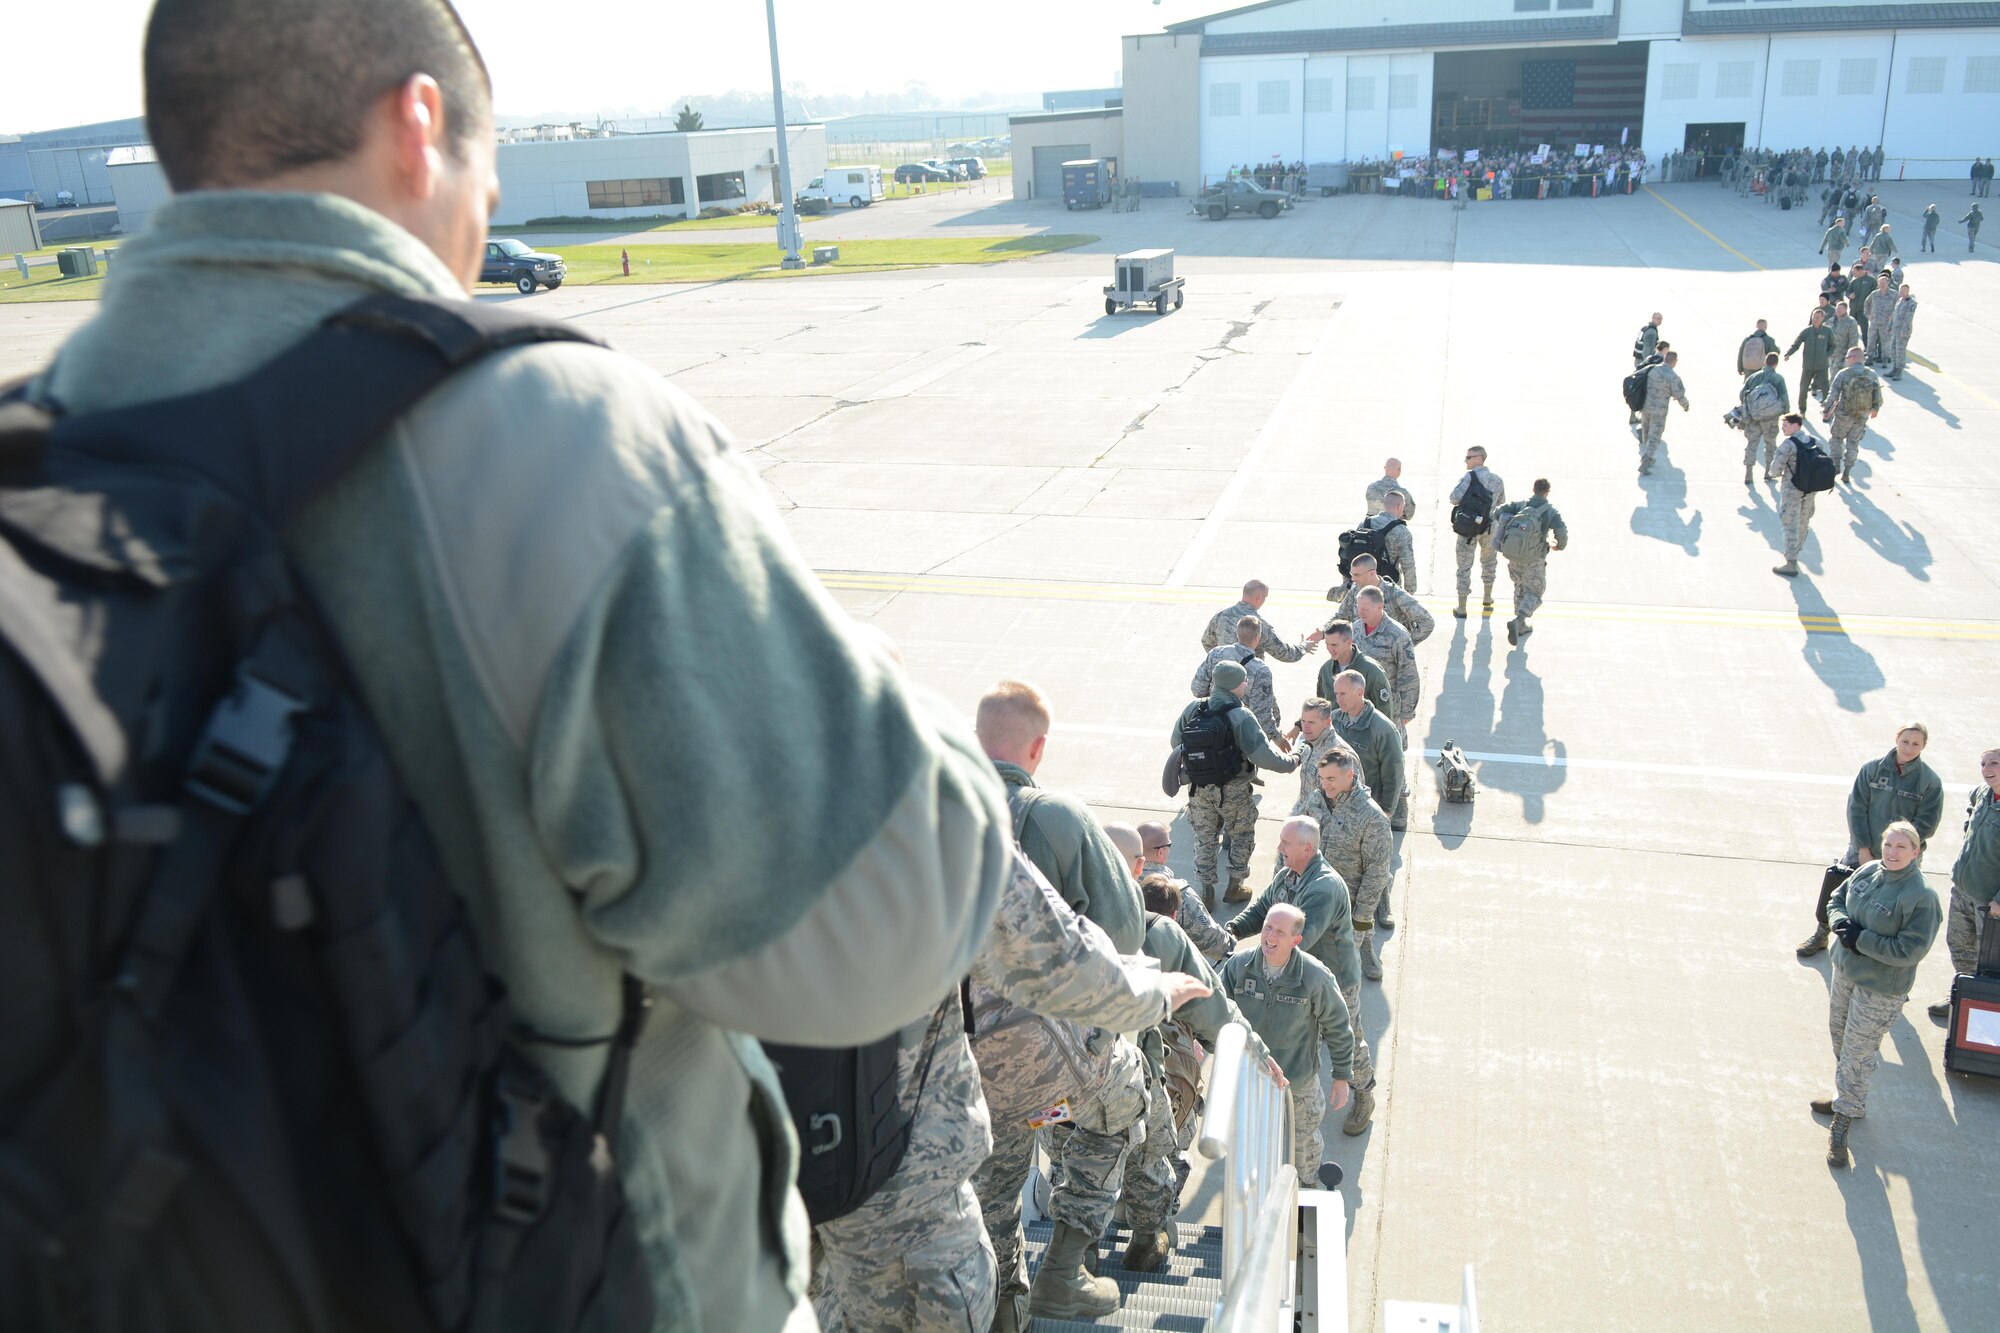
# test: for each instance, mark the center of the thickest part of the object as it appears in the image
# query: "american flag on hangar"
(1581, 93)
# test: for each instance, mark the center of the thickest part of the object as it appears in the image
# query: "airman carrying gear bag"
(1972, 1041)
(1371, 540)
(1472, 513)
(253, 1075)
(1522, 536)
(1836, 875)
(1813, 468)
(1208, 748)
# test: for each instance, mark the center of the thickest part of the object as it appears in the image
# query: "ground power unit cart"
(1143, 277)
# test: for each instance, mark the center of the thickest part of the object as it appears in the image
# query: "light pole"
(788, 213)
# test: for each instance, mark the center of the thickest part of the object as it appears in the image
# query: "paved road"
(1596, 1045)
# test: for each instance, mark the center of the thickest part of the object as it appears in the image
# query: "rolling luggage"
(1972, 1042)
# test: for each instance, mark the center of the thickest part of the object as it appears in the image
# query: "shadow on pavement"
(1842, 665)
(1898, 543)
(1465, 713)
(1660, 517)
(1924, 396)
(1760, 515)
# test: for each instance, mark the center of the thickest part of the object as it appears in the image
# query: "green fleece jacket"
(1321, 894)
(1372, 736)
(1976, 873)
(570, 606)
(1169, 945)
(1371, 672)
(1881, 795)
(1293, 1012)
(1067, 844)
(1899, 916)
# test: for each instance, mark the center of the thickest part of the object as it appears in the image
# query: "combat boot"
(1011, 1314)
(1790, 569)
(1836, 1144)
(1822, 1106)
(1514, 630)
(1942, 1009)
(1147, 1250)
(1486, 601)
(1239, 892)
(1359, 1112)
(1459, 611)
(1382, 917)
(1814, 943)
(1371, 967)
(1062, 1289)
(1847, 476)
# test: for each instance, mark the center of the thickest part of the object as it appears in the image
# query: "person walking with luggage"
(1643, 349)
(1803, 470)
(1886, 918)
(1901, 323)
(1262, 699)
(1816, 339)
(1897, 785)
(1853, 400)
(1764, 397)
(1975, 876)
(1399, 546)
(1928, 241)
(1973, 217)
(1663, 388)
(1478, 493)
(1222, 747)
(1524, 529)
(1750, 353)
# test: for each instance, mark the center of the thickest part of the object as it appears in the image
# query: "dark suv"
(513, 262)
(917, 173)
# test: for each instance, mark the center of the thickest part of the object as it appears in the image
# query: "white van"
(857, 187)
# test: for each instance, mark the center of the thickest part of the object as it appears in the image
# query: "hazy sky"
(585, 55)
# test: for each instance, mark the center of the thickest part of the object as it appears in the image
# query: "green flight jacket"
(1322, 895)
(1551, 517)
(1371, 671)
(1976, 873)
(1294, 1012)
(1078, 859)
(1373, 737)
(1249, 736)
(1835, 239)
(1881, 796)
(1899, 916)
(1818, 345)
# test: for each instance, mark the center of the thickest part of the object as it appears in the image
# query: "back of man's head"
(240, 91)
(1541, 485)
(1013, 723)
(1126, 839)
(1255, 591)
(1249, 630)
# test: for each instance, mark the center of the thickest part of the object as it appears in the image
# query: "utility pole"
(788, 213)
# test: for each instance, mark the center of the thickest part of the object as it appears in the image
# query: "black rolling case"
(1972, 1043)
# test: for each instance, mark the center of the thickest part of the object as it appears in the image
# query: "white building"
(647, 175)
(138, 186)
(1333, 80)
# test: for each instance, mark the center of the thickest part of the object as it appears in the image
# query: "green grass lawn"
(734, 222)
(598, 264)
(48, 284)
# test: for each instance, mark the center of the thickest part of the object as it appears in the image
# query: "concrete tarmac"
(1595, 1045)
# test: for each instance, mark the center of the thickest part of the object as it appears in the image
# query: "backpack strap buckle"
(520, 1158)
(244, 746)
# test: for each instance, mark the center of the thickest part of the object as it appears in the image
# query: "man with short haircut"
(1751, 352)
(1055, 829)
(1852, 401)
(1817, 341)
(1530, 576)
(1975, 876)
(1292, 1001)
(1372, 737)
(1834, 241)
(1155, 842)
(1881, 305)
(1496, 491)
(1377, 495)
(1663, 388)
(1882, 245)
(1312, 736)
(1901, 323)
(1762, 431)
(1972, 221)
(1405, 609)
(1795, 507)
(1846, 333)
(1222, 800)
(1221, 628)
(1390, 644)
(1343, 654)
(1355, 839)
(322, 152)
(1262, 699)
(1398, 544)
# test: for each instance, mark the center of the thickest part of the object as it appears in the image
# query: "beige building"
(17, 227)
(1045, 140)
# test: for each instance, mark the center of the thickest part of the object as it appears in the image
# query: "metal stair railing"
(1248, 1128)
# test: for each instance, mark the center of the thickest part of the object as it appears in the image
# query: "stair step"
(1179, 1295)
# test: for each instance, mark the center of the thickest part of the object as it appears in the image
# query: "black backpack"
(1635, 388)
(1375, 542)
(1472, 515)
(1812, 467)
(253, 1075)
(1209, 748)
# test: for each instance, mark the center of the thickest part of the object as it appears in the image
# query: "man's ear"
(1039, 748)
(417, 134)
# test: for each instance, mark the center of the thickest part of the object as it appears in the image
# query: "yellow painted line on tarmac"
(1703, 230)
(1036, 590)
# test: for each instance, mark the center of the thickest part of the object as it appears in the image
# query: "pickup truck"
(1239, 196)
(513, 262)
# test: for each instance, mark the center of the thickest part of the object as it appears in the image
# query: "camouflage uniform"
(1308, 1142)
(1846, 336)
(1262, 700)
(1391, 645)
(1849, 426)
(1221, 630)
(1899, 918)
(1489, 559)
(1354, 838)
(1795, 507)
(1400, 546)
(1192, 917)
(1042, 976)
(1531, 577)
(1378, 495)
(1900, 325)
(1881, 309)
(1229, 807)
(1763, 432)
(1663, 387)
(1975, 881)
(1308, 754)
(1397, 603)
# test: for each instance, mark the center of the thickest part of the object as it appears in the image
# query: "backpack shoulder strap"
(299, 420)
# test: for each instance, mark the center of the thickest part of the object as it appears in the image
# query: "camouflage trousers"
(1795, 511)
(916, 1256)
(1089, 1160)
(1308, 1144)
(1962, 923)
(1530, 579)
(1878, 340)
(1150, 1181)
(1652, 428)
(1214, 811)
(1899, 355)
(1844, 439)
(1858, 1019)
(1363, 1076)
(1764, 433)
(1489, 561)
